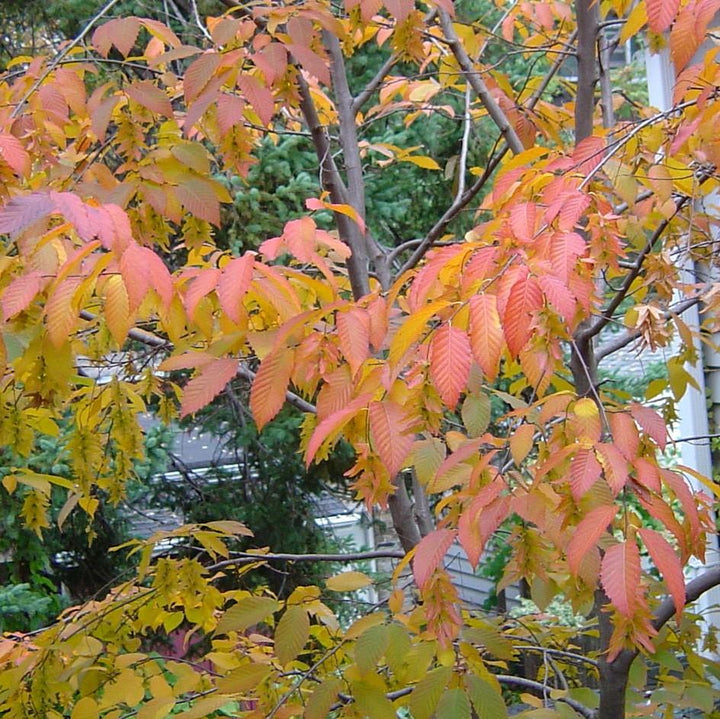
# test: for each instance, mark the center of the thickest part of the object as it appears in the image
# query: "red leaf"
(587, 533)
(14, 154)
(18, 295)
(391, 442)
(661, 13)
(524, 301)
(207, 383)
(652, 424)
(479, 521)
(679, 487)
(486, 335)
(234, 283)
(145, 93)
(620, 576)
(354, 334)
(669, 565)
(585, 470)
(522, 221)
(258, 96)
(429, 554)
(267, 395)
(334, 423)
(311, 61)
(450, 360)
(565, 248)
(625, 434)
(200, 286)
(614, 465)
(142, 270)
(121, 32)
(229, 112)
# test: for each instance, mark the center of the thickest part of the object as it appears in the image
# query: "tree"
(122, 149)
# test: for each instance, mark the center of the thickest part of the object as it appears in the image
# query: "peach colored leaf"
(18, 295)
(207, 384)
(267, 395)
(625, 434)
(335, 392)
(687, 498)
(479, 521)
(145, 93)
(565, 248)
(521, 442)
(229, 112)
(20, 212)
(354, 334)
(585, 470)
(14, 154)
(161, 31)
(429, 554)
(199, 74)
(486, 335)
(391, 442)
(620, 576)
(234, 284)
(259, 97)
(522, 221)
(614, 465)
(143, 270)
(651, 423)
(524, 301)
(588, 153)
(668, 563)
(647, 473)
(120, 32)
(559, 296)
(200, 286)
(313, 203)
(587, 533)
(198, 197)
(684, 37)
(450, 360)
(334, 423)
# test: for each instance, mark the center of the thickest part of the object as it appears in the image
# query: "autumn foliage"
(461, 368)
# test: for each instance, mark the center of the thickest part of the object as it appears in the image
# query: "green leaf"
(246, 613)
(324, 696)
(427, 693)
(370, 646)
(244, 678)
(291, 634)
(454, 704)
(488, 703)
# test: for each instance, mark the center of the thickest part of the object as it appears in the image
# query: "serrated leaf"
(322, 698)
(487, 702)
(492, 639)
(372, 702)
(426, 458)
(411, 329)
(267, 394)
(120, 32)
(652, 424)
(585, 470)
(145, 93)
(450, 359)
(615, 466)
(620, 576)
(200, 286)
(246, 613)
(475, 413)
(521, 442)
(14, 154)
(203, 707)
(370, 646)
(524, 300)
(354, 335)
(244, 678)
(587, 533)
(18, 295)
(429, 554)
(647, 473)
(199, 198)
(207, 383)
(61, 314)
(348, 581)
(234, 283)
(454, 704)
(391, 441)
(198, 74)
(426, 695)
(625, 434)
(669, 565)
(486, 335)
(20, 212)
(291, 634)
(259, 97)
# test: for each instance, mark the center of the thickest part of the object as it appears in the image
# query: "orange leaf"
(200, 286)
(207, 383)
(625, 434)
(354, 334)
(61, 315)
(651, 423)
(614, 465)
(258, 96)
(429, 554)
(479, 521)
(388, 424)
(199, 74)
(585, 470)
(524, 301)
(647, 473)
(585, 536)
(198, 198)
(450, 359)
(150, 96)
(486, 335)
(334, 423)
(267, 395)
(234, 283)
(18, 295)
(620, 576)
(521, 442)
(669, 565)
(120, 32)
(14, 154)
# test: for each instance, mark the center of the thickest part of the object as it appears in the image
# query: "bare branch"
(364, 95)
(477, 84)
(250, 557)
(544, 692)
(706, 581)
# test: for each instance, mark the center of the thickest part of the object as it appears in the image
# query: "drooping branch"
(478, 85)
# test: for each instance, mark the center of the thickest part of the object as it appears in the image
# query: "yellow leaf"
(348, 581)
(291, 634)
(426, 163)
(203, 707)
(521, 442)
(86, 708)
(244, 678)
(157, 708)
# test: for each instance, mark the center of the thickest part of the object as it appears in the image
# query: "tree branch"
(366, 93)
(693, 590)
(250, 557)
(477, 84)
(587, 31)
(545, 692)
